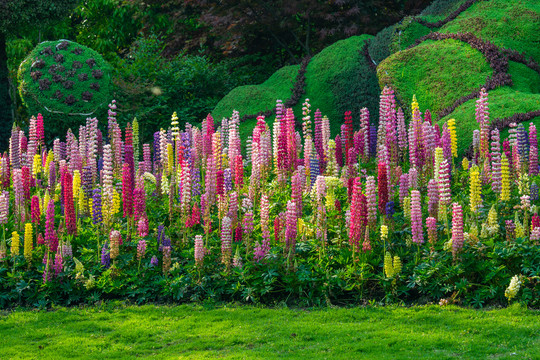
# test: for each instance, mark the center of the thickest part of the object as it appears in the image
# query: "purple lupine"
(105, 255)
(97, 216)
(154, 261)
(403, 187)
(496, 179)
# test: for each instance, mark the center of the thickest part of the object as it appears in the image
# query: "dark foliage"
(450, 17)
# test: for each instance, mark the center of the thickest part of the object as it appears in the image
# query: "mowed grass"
(192, 332)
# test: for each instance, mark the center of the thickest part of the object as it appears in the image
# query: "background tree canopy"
(164, 53)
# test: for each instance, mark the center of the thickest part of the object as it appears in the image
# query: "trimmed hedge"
(65, 81)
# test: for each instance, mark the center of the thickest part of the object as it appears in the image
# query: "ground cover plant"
(385, 213)
(232, 332)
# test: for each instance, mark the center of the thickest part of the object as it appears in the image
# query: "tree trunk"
(6, 119)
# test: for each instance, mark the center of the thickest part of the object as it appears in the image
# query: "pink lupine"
(416, 218)
(141, 249)
(533, 161)
(296, 195)
(403, 187)
(364, 132)
(186, 186)
(382, 187)
(291, 227)
(226, 240)
(50, 235)
(199, 250)
(358, 220)
(34, 206)
(265, 217)
(142, 227)
(433, 197)
(457, 229)
(431, 225)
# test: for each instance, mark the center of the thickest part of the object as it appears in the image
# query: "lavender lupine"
(416, 218)
(496, 178)
(403, 187)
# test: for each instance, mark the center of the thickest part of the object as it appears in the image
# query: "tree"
(16, 17)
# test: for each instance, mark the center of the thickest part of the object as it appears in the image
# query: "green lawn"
(192, 332)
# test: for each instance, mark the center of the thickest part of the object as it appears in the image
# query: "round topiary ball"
(64, 78)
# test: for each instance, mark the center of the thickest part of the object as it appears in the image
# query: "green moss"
(503, 102)
(438, 72)
(510, 24)
(406, 34)
(524, 78)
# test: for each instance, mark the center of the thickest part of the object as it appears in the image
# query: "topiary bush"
(66, 82)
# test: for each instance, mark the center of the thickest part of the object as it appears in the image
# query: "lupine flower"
(403, 187)
(50, 236)
(199, 250)
(141, 249)
(127, 191)
(457, 228)
(154, 261)
(28, 242)
(58, 264)
(513, 288)
(382, 187)
(389, 209)
(97, 216)
(142, 227)
(114, 241)
(226, 240)
(431, 224)
(166, 260)
(416, 218)
(475, 190)
(105, 255)
(69, 208)
(358, 215)
(291, 227)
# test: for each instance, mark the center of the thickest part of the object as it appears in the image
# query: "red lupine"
(127, 191)
(382, 187)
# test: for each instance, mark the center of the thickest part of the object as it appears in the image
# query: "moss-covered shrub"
(64, 81)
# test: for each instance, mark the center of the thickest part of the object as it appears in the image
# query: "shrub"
(59, 78)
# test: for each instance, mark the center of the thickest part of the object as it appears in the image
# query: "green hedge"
(66, 82)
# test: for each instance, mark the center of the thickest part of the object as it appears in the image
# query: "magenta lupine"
(358, 220)
(50, 235)
(69, 208)
(496, 178)
(127, 191)
(25, 176)
(296, 193)
(226, 240)
(371, 195)
(35, 211)
(457, 229)
(416, 218)
(433, 197)
(186, 187)
(40, 134)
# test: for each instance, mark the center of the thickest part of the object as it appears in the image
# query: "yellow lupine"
(76, 183)
(170, 158)
(384, 232)
(116, 202)
(505, 178)
(407, 207)
(475, 189)
(28, 242)
(36, 166)
(46, 199)
(15, 244)
(82, 200)
(388, 268)
(439, 157)
(414, 105)
(50, 158)
(453, 136)
(397, 265)
(465, 163)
